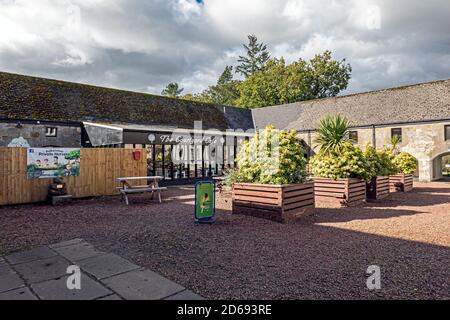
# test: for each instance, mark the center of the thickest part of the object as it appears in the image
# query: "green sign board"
(205, 202)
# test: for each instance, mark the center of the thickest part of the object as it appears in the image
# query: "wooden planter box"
(341, 192)
(280, 203)
(401, 183)
(378, 188)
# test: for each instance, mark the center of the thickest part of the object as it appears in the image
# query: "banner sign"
(52, 162)
(205, 202)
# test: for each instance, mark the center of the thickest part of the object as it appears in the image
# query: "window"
(51, 131)
(447, 133)
(353, 136)
(397, 132)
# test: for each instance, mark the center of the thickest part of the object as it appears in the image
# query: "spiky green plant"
(332, 134)
(395, 141)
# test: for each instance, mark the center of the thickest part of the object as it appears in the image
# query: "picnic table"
(152, 186)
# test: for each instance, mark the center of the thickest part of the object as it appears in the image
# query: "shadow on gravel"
(242, 257)
(323, 215)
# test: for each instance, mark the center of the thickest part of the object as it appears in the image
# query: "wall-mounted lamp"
(19, 125)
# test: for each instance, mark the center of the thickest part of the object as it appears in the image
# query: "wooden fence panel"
(98, 172)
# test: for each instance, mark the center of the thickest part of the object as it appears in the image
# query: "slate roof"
(421, 102)
(32, 98)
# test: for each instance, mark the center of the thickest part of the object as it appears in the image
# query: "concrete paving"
(42, 274)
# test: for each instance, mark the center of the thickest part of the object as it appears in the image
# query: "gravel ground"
(322, 257)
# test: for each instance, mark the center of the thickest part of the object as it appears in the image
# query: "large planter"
(378, 188)
(280, 203)
(401, 182)
(340, 192)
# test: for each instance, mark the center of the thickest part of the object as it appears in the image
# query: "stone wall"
(34, 135)
(425, 141)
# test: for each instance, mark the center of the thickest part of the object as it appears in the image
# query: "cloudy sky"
(142, 45)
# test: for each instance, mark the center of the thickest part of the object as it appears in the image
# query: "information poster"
(52, 162)
(205, 202)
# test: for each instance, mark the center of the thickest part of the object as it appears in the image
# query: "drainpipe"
(374, 137)
(309, 143)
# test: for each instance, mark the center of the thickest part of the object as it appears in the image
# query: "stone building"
(36, 112)
(39, 112)
(420, 114)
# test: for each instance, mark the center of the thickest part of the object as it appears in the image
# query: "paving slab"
(4, 267)
(111, 297)
(10, 280)
(30, 255)
(78, 251)
(44, 269)
(18, 294)
(66, 243)
(106, 265)
(187, 295)
(142, 285)
(57, 289)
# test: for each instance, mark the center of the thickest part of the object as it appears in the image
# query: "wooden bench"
(126, 192)
(152, 186)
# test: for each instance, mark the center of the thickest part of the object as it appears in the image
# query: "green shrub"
(270, 157)
(349, 163)
(230, 177)
(405, 163)
(379, 161)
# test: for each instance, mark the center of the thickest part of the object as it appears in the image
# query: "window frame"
(49, 132)
(447, 132)
(400, 135)
(354, 141)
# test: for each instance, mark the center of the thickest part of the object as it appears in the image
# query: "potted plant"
(382, 167)
(405, 165)
(270, 178)
(340, 169)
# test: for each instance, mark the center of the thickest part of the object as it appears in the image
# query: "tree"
(279, 83)
(172, 90)
(328, 76)
(225, 92)
(256, 59)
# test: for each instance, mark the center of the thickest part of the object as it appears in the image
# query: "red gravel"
(322, 257)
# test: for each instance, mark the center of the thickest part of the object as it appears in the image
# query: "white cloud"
(143, 45)
(187, 9)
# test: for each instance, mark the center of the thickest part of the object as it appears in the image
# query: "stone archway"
(438, 165)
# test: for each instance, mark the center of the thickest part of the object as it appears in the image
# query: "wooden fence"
(99, 169)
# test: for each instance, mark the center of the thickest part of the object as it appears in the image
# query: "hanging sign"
(205, 202)
(52, 162)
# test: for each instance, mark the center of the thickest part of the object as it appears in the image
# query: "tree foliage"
(256, 58)
(172, 90)
(279, 83)
(225, 92)
(270, 81)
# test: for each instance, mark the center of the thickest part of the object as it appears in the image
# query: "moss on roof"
(25, 97)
